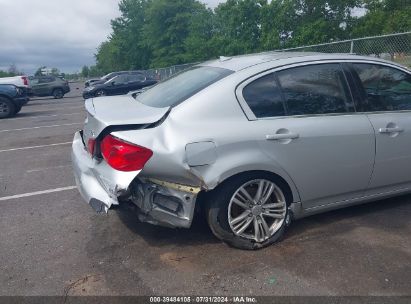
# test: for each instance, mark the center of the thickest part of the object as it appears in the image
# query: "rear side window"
(264, 98)
(182, 86)
(315, 89)
(137, 77)
(119, 79)
(45, 80)
(386, 88)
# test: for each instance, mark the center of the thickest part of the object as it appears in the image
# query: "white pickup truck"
(18, 81)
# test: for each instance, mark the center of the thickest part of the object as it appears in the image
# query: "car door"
(386, 96)
(39, 86)
(307, 124)
(136, 81)
(51, 83)
(118, 85)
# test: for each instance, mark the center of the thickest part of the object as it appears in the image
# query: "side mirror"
(113, 83)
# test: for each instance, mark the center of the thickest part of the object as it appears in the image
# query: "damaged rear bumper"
(159, 202)
(86, 176)
(164, 203)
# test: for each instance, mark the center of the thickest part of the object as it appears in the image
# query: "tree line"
(160, 33)
(11, 71)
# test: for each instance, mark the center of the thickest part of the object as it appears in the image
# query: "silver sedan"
(251, 142)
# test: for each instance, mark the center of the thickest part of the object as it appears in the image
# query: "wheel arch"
(13, 105)
(283, 178)
(100, 90)
(7, 97)
(57, 88)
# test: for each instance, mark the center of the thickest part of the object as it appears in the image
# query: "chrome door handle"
(390, 130)
(282, 136)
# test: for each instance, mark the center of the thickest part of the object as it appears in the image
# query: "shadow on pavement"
(199, 233)
(158, 236)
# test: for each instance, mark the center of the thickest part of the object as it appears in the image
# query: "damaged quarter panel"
(206, 140)
(237, 139)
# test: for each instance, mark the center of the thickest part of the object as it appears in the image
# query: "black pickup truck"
(12, 99)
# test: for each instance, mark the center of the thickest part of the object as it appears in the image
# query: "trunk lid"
(118, 111)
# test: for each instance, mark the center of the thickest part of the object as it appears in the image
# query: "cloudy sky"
(56, 33)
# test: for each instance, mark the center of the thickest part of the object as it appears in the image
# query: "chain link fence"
(394, 47)
(164, 73)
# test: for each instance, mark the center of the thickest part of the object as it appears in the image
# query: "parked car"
(103, 79)
(119, 85)
(21, 82)
(255, 141)
(49, 86)
(12, 98)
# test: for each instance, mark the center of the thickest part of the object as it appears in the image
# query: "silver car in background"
(253, 141)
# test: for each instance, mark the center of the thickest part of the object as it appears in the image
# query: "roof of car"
(128, 72)
(237, 63)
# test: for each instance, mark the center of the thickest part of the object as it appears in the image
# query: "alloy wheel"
(4, 108)
(100, 93)
(257, 210)
(58, 94)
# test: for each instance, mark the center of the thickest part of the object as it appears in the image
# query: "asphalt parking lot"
(52, 243)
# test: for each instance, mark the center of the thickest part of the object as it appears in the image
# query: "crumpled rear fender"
(99, 184)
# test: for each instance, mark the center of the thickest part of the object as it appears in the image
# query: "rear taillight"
(124, 156)
(25, 80)
(91, 145)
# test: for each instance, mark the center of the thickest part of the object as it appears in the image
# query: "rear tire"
(58, 93)
(7, 107)
(269, 217)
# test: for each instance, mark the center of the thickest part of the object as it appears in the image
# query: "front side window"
(315, 89)
(118, 79)
(264, 98)
(108, 76)
(385, 88)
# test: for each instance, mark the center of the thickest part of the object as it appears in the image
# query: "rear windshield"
(175, 90)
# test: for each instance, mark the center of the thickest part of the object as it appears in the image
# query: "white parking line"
(40, 127)
(41, 116)
(54, 109)
(36, 147)
(6, 198)
(47, 168)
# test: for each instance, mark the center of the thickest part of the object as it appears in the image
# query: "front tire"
(250, 211)
(58, 93)
(18, 109)
(7, 107)
(101, 93)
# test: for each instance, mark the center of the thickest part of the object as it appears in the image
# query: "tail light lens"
(25, 80)
(124, 156)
